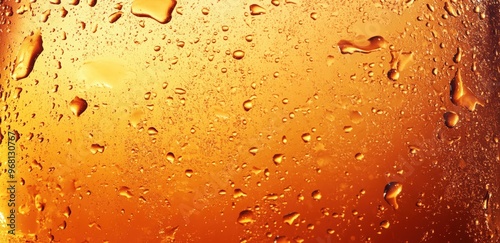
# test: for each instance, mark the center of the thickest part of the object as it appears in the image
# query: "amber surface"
(251, 121)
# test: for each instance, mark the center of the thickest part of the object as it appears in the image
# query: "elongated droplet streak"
(28, 53)
(391, 192)
(461, 95)
(159, 10)
(257, 10)
(374, 44)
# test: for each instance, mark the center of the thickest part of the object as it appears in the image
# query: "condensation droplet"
(385, 224)
(125, 192)
(316, 195)
(290, 218)
(78, 106)
(159, 10)
(31, 48)
(246, 217)
(239, 54)
(189, 173)
(314, 15)
(247, 105)
(253, 150)
(278, 158)
(461, 95)
(450, 119)
(374, 44)
(391, 192)
(257, 10)
(306, 137)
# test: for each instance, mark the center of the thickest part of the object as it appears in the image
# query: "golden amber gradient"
(251, 121)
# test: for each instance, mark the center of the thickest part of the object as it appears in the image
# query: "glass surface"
(249, 121)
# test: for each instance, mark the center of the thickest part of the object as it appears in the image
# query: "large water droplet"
(239, 54)
(290, 218)
(391, 192)
(27, 55)
(125, 191)
(247, 105)
(450, 119)
(374, 44)
(257, 10)
(246, 217)
(461, 95)
(78, 106)
(159, 10)
(278, 158)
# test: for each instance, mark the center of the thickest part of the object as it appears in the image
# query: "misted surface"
(250, 121)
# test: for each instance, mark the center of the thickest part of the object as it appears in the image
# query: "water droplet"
(257, 10)
(247, 105)
(249, 38)
(125, 191)
(159, 10)
(96, 148)
(374, 44)
(329, 60)
(275, 2)
(239, 193)
(253, 150)
(385, 224)
(152, 131)
(486, 200)
(450, 9)
(39, 202)
(314, 15)
(278, 158)
(205, 11)
(239, 54)
(356, 117)
(179, 91)
(290, 218)
(393, 74)
(189, 173)
(316, 195)
(458, 56)
(246, 217)
(115, 16)
(348, 129)
(359, 156)
(170, 157)
(391, 192)
(31, 48)
(78, 106)
(450, 119)
(67, 212)
(461, 95)
(306, 137)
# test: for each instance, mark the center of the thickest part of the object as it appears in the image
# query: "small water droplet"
(359, 156)
(189, 173)
(179, 91)
(329, 60)
(391, 192)
(275, 2)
